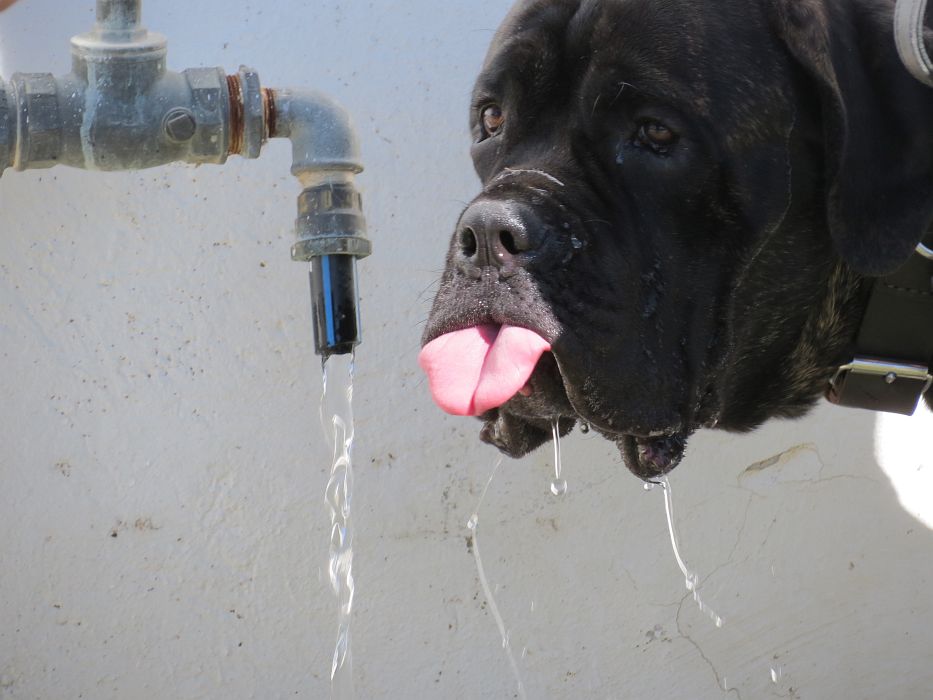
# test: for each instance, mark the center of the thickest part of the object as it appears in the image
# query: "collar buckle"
(880, 385)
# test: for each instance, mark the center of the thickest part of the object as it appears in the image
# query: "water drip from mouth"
(337, 422)
(691, 580)
(472, 525)
(558, 485)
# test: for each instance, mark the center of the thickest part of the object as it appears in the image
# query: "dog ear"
(877, 128)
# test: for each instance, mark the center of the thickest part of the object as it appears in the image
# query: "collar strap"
(894, 347)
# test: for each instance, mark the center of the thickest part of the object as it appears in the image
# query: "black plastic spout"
(334, 295)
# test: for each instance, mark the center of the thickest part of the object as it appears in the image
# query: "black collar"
(890, 370)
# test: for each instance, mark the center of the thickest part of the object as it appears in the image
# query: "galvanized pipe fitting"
(325, 158)
(120, 109)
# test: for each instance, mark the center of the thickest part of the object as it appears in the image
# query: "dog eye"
(656, 136)
(492, 119)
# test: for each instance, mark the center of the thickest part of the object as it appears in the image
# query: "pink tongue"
(479, 368)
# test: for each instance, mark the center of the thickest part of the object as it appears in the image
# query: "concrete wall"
(163, 527)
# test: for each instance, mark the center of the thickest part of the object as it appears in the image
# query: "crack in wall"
(684, 635)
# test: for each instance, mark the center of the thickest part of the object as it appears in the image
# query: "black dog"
(684, 204)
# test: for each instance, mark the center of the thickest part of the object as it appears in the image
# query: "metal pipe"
(120, 109)
(119, 15)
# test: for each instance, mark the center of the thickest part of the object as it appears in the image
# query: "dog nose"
(493, 234)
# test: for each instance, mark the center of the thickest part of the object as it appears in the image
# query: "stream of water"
(473, 525)
(692, 580)
(337, 422)
(559, 488)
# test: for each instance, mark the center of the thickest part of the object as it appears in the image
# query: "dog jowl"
(682, 207)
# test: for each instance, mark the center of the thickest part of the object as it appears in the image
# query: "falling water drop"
(691, 580)
(558, 485)
(776, 673)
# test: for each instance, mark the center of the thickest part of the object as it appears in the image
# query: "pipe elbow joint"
(324, 144)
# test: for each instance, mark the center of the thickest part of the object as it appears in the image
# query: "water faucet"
(121, 109)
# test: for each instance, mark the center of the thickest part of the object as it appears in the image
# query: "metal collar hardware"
(893, 350)
(872, 383)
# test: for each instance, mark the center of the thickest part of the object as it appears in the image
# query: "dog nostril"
(468, 242)
(507, 239)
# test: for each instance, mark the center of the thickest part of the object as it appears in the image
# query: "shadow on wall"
(800, 545)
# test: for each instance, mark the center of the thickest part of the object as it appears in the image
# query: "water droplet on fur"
(576, 243)
(584, 428)
(473, 521)
(650, 306)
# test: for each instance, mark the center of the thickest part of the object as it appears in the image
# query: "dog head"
(680, 203)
